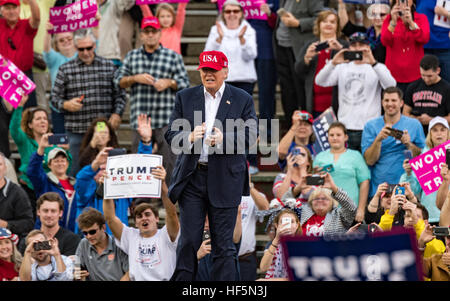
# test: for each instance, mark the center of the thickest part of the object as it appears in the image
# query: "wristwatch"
(173, 83)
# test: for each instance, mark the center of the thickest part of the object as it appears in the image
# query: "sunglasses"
(11, 44)
(151, 30)
(90, 232)
(81, 49)
(234, 11)
(68, 39)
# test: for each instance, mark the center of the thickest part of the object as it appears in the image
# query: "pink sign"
(427, 167)
(140, 2)
(80, 14)
(251, 8)
(13, 82)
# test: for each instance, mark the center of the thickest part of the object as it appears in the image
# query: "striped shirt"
(95, 81)
(145, 99)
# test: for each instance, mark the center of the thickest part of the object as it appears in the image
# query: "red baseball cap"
(150, 21)
(15, 2)
(213, 59)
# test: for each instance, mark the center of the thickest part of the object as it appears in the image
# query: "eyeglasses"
(151, 30)
(90, 232)
(81, 49)
(62, 40)
(11, 44)
(234, 11)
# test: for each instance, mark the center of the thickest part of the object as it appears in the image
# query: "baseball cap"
(305, 115)
(150, 21)
(358, 37)
(231, 2)
(55, 152)
(436, 120)
(15, 2)
(6, 234)
(213, 59)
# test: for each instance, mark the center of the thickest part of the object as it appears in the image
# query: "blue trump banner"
(320, 128)
(385, 256)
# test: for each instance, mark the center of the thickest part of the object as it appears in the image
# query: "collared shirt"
(211, 107)
(95, 81)
(110, 265)
(145, 99)
(50, 272)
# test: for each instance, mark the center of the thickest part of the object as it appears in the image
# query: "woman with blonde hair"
(438, 133)
(322, 216)
(10, 257)
(314, 56)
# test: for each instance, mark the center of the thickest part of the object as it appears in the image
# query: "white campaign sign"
(129, 176)
(441, 20)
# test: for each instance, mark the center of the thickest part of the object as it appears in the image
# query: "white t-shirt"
(248, 214)
(150, 259)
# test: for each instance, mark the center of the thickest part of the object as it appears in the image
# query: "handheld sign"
(439, 20)
(320, 128)
(13, 82)
(367, 2)
(385, 256)
(80, 14)
(129, 176)
(251, 8)
(427, 167)
(140, 2)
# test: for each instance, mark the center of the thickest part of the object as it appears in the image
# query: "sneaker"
(253, 170)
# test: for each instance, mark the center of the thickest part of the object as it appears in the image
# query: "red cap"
(213, 59)
(15, 2)
(305, 115)
(150, 21)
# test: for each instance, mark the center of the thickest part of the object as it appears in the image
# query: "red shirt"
(314, 226)
(322, 95)
(22, 36)
(7, 270)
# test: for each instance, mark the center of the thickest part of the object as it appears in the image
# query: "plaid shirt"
(95, 81)
(145, 99)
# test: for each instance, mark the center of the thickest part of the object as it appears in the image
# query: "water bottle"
(76, 268)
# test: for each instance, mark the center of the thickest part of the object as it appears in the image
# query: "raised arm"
(35, 19)
(444, 219)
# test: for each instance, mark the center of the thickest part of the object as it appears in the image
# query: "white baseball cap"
(436, 120)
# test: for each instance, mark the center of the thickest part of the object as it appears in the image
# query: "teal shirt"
(350, 170)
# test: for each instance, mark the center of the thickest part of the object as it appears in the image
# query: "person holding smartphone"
(359, 84)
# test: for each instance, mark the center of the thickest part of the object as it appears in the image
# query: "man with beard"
(49, 264)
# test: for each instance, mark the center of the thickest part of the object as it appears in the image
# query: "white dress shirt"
(211, 107)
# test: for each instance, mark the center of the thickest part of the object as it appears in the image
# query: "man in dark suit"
(210, 175)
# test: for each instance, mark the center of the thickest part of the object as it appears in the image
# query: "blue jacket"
(47, 182)
(86, 187)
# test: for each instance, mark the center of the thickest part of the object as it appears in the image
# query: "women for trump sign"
(81, 14)
(129, 176)
(427, 167)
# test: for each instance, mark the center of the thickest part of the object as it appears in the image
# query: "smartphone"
(397, 134)
(101, 126)
(400, 190)
(391, 188)
(353, 55)
(408, 154)
(328, 168)
(286, 222)
(372, 228)
(117, 152)
(81, 98)
(42, 245)
(441, 231)
(295, 152)
(315, 180)
(206, 235)
(303, 116)
(447, 157)
(281, 12)
(322, 46)
(58, 139)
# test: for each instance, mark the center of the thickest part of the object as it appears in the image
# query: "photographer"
(360, 81)
(384, 153)
(437, 266)
(41, 263)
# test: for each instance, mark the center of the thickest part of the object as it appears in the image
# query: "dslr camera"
(42, 245)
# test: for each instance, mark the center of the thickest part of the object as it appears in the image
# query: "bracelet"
(374, 64)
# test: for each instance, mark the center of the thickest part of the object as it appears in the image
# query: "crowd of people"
(383, 68)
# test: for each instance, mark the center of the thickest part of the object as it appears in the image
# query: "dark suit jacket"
(227, 173)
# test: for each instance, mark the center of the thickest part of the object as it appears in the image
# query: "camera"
(397, 134)
(322, 46)
(206, 235)
(391, 188)
(117, 152)
(42, 245)
(315, 180)
(441, 231)
(58, 139)
(400, 190)
(303, 116)
(353, 55)
(369, 228)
